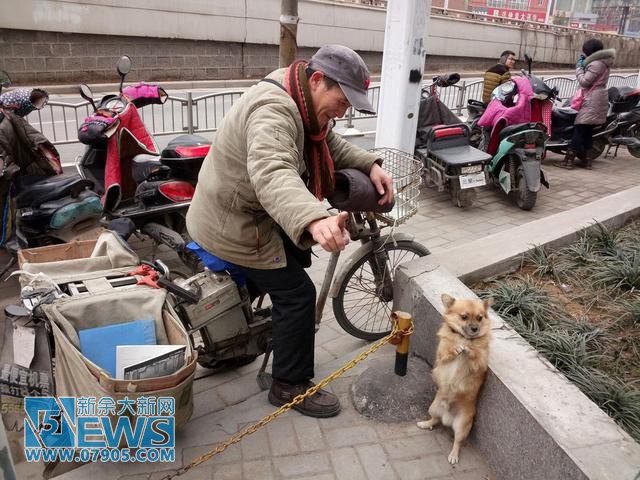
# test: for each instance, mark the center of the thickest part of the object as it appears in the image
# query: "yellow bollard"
(402, 349)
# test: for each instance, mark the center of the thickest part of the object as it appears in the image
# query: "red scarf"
(316, 150)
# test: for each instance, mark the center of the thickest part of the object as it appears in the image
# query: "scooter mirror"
(124, 65)
(87, 94)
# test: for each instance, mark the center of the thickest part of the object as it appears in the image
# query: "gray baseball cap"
(346, 67)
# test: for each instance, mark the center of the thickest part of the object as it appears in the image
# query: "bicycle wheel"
(358, 307)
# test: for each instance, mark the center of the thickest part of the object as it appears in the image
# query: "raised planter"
(532, 423)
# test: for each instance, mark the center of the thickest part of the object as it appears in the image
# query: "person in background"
(498, 74)
(592, 75)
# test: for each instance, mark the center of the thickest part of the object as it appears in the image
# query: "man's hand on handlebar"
(383, 183)
(331, 232)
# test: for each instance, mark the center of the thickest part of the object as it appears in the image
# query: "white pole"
(546, 18)
(446, 4)
(402, 69)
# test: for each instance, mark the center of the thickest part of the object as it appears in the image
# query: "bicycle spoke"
(364, 299)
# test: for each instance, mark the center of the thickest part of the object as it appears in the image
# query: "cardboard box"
(55, 253)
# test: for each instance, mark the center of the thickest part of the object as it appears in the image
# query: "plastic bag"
(577, 100)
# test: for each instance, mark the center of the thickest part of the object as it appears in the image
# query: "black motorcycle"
(621, 127)
(152, 189)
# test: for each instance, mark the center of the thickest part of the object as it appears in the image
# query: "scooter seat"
(461, 155)
(50, 188)
(144, 166)
(511, 129)
(564, 114)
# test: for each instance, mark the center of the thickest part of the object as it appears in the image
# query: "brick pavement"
(351, 446)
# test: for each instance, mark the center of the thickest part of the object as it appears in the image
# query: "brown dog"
(461, 366)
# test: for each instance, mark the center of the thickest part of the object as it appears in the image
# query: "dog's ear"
(447, 300)
(487, 303)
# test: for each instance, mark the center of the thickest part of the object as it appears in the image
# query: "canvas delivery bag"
(103, 304)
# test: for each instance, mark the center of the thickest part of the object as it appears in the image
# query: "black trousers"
(582, 139)
(293, 296)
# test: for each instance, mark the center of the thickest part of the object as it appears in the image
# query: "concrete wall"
(59, 41)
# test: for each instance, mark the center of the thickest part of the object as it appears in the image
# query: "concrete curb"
(530, 418)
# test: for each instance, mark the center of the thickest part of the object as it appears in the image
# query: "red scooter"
(135, 181)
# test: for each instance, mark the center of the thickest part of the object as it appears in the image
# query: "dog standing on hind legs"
(461, 365)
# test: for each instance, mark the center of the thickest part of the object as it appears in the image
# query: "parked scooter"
(518, 117)
(443, 144)
(40, 206)
(622, 126)
(135, 181)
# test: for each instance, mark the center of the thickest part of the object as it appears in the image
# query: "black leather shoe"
(322, 404)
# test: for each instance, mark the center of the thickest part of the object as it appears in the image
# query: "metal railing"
(59, 121)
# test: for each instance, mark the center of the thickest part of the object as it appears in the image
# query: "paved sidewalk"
(351, 446)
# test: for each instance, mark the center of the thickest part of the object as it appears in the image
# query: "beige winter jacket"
(251, 182)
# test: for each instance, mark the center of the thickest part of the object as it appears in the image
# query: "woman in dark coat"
(592, 74)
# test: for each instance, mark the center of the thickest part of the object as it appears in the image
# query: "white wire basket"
(405, 169)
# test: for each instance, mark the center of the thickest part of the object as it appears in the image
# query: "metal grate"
(405, 169)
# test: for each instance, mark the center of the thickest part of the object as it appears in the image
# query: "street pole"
(288, 32)
(549, 11)
(402, 69)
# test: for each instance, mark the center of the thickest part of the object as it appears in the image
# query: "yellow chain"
(298, 399)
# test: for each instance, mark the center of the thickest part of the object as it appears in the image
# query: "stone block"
(301, 465)
(149, 61)
(375, 462)
(78, 50)
(178, 61)
(72, 63)
(23, 50)
(346, 464)
(35, 64)
(207, 61)
(141, 49)
(282, 437)
(89, 63)
(14, 65)
(60, 49)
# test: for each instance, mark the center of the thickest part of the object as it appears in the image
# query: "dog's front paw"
(462, 348)
(453, 458)
(426, 425)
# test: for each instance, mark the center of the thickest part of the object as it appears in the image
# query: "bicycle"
(362, 291)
